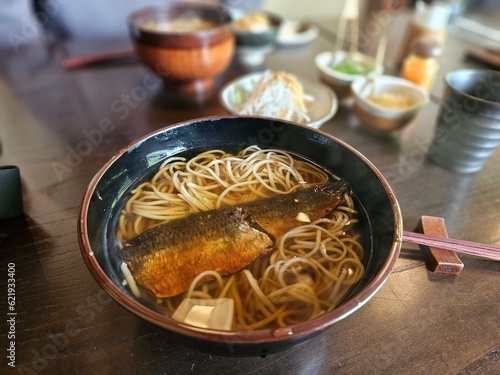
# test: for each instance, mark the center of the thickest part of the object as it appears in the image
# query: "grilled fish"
(167, 258)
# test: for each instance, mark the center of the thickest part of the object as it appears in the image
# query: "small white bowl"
(293, 33)
(379, 119)
(338, 81)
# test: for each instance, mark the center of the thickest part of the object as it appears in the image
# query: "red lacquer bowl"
(186, 44)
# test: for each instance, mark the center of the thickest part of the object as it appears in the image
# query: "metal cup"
(468, 124)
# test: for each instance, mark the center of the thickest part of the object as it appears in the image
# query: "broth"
(179, 25)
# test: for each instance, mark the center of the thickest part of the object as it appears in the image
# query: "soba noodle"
(312, 266)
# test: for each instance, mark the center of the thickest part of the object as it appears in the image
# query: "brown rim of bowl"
(315, 325)
(193, 39)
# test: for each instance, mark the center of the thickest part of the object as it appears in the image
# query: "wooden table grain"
(61, 126)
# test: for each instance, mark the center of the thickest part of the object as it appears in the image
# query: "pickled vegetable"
(350, 66)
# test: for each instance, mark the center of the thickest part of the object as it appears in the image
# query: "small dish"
(296, 33)
(382, 120)
(321, 109)
(257, 28)
(338, 81)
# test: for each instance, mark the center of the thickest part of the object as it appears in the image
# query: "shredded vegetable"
(275, 94)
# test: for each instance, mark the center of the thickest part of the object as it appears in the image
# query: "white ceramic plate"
(321, 109)
(296, 33)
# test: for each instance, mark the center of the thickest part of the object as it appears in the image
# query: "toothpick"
(354, 16)
(350, 13)
(340, 35)
(350, 10)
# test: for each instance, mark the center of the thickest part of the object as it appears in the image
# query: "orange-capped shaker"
(422, 64)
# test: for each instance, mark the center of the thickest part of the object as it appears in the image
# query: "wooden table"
(419, 322)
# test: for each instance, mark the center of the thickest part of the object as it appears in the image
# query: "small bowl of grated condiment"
(394, 103)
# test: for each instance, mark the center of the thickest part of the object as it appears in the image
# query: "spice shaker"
(421, 65)
(427, 20)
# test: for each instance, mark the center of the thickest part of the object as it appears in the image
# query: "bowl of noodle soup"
(313, 276)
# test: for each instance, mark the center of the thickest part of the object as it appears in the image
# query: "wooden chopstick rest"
(439, 260)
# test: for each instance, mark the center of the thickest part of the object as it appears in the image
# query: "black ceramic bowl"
(249, 38)
(107, 192)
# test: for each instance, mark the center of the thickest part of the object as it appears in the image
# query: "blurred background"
(479, 20)
(27, 21)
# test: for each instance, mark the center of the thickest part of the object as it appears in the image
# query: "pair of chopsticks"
(76, 62)
(350, 13)
(459, 246)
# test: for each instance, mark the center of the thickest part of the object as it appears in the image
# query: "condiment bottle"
(427, 20)
(422, 64)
